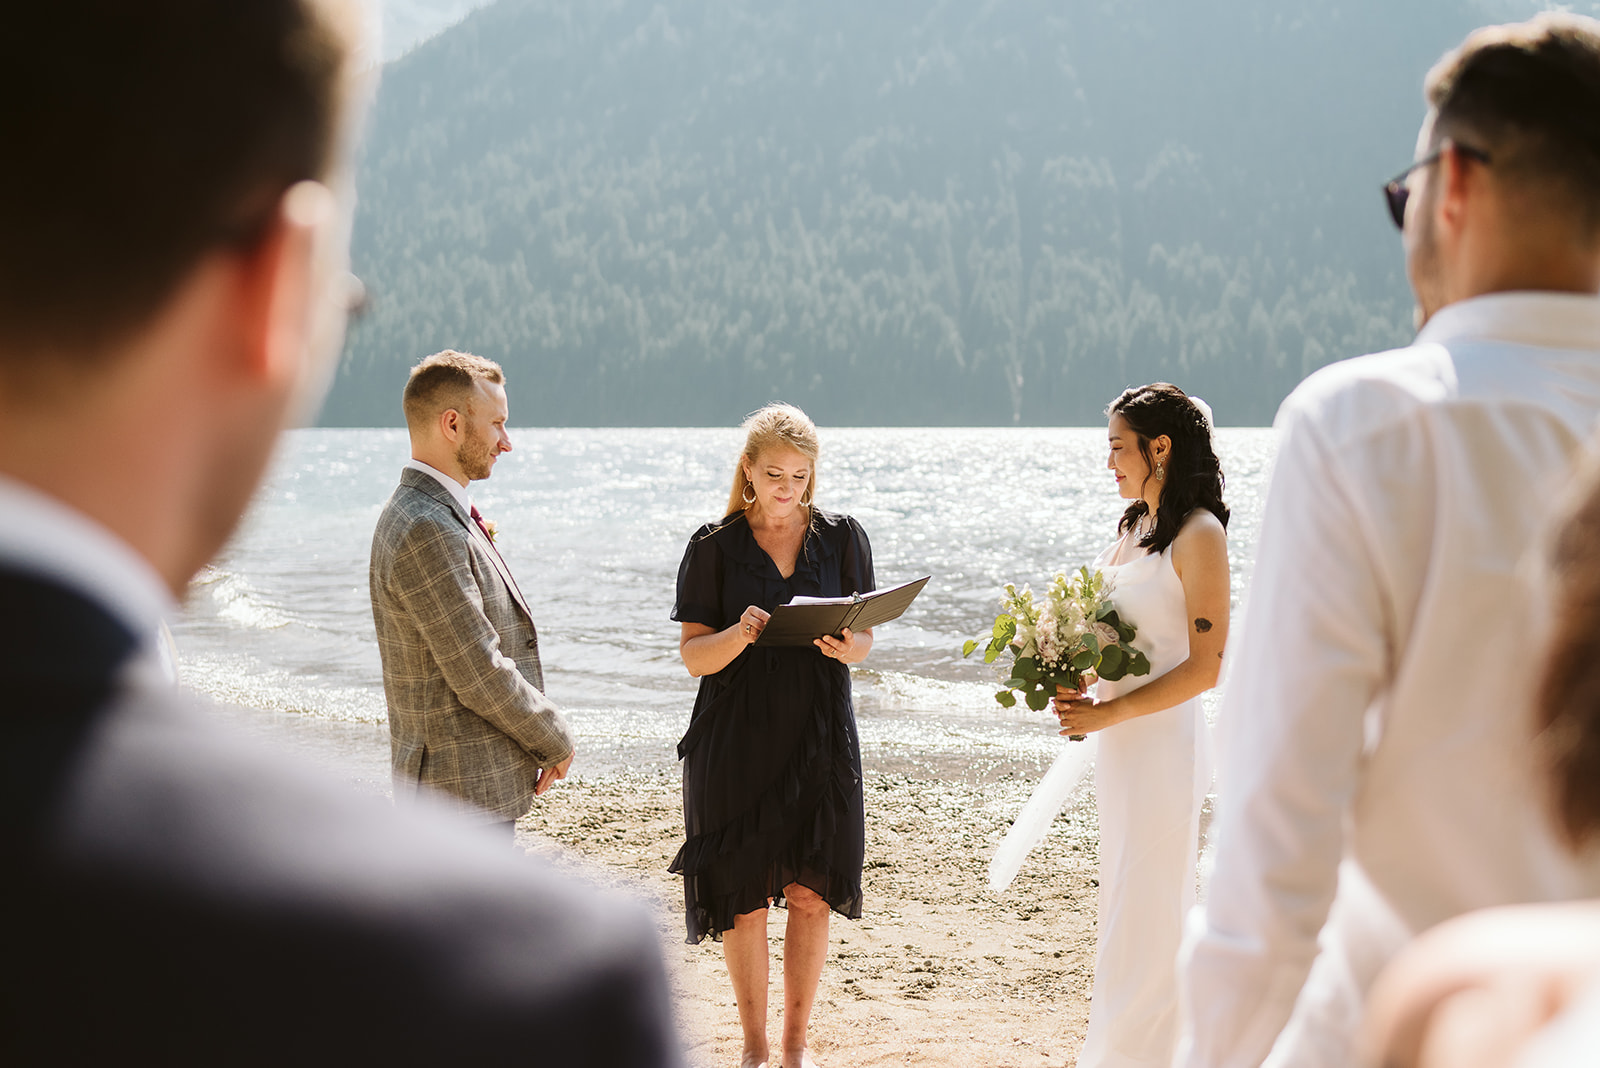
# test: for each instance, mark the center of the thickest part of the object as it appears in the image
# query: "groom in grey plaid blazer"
(467, 714)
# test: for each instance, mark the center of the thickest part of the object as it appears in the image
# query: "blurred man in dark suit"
(173, 233)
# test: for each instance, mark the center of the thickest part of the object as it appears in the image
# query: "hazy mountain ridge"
(888, 213)
(404, 24)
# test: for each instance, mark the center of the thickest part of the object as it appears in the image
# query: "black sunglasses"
(1396, 191)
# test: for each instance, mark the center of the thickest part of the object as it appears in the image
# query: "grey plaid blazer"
(467, 715)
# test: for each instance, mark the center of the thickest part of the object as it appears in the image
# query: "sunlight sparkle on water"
(594, 523)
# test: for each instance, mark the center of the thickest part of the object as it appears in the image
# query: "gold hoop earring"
(749, 495)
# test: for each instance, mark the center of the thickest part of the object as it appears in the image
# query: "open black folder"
(805, 619)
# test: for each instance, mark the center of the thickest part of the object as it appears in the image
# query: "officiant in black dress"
(772, 801)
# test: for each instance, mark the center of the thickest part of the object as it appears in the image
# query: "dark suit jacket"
(467, 715)
(173, 895)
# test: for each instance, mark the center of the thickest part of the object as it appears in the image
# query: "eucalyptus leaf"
(1141, 664)
(1112, 663)
(1006, 698)
(967, 649)
(1084, 660)
(1037, 699)
(1005, 628)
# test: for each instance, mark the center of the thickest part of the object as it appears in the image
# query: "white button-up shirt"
(1571, 1039)
(1375, 737)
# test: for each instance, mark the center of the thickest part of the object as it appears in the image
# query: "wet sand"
(938, 971)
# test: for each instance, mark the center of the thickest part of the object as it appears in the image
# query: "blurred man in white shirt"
(1376, 771)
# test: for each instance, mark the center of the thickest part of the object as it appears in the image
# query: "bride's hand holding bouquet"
(1056, 645)
(1081, 713)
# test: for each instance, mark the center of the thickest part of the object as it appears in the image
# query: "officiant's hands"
(849, 648)
(1081, 714)
(752, 623)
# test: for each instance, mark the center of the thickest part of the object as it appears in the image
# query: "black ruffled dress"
(771, 760)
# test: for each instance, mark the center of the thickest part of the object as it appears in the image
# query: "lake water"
(594, 523)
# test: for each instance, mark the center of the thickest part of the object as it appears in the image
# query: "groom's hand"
(549, 776)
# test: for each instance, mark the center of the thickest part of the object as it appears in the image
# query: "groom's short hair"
(445, 380)
(1529, 94)
(141, 136)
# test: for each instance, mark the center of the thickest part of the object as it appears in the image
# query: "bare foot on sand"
(753, 1059)
(798, 1058)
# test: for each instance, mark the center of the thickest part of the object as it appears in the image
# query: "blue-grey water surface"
(594, 523)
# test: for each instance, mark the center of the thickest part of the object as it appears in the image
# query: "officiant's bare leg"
(805, 950)
(745, 950)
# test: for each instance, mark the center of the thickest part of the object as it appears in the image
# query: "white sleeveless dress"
(1151, 776)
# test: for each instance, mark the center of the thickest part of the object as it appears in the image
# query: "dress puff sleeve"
(700, 581)
(855, 566)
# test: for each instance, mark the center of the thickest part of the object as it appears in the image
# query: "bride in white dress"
(1152, 770)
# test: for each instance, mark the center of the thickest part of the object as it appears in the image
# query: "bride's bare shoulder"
(1203, 524)
(1202, 539)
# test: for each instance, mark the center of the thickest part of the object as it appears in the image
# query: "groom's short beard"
(473, 457)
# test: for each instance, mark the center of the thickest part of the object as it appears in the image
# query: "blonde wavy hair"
(780, 426)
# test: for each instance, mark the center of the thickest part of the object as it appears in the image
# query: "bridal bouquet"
(1074, 632)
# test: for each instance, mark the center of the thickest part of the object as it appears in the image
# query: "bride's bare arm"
(1200, 557)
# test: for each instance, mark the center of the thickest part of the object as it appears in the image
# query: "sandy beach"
(938, 971)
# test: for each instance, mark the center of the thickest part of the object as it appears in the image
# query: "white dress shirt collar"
(1539, 318)
(457, 490)
(41, 535)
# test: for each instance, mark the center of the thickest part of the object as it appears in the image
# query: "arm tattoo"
(1202, 624)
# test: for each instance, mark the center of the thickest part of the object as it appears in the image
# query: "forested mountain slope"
(890, 212)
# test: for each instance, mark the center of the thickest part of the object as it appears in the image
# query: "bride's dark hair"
(1193, 475)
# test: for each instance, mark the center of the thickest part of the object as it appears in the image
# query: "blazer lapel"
(429, 485)
(500, 564)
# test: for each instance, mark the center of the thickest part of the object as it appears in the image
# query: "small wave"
(904, 691)
(240, 603)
